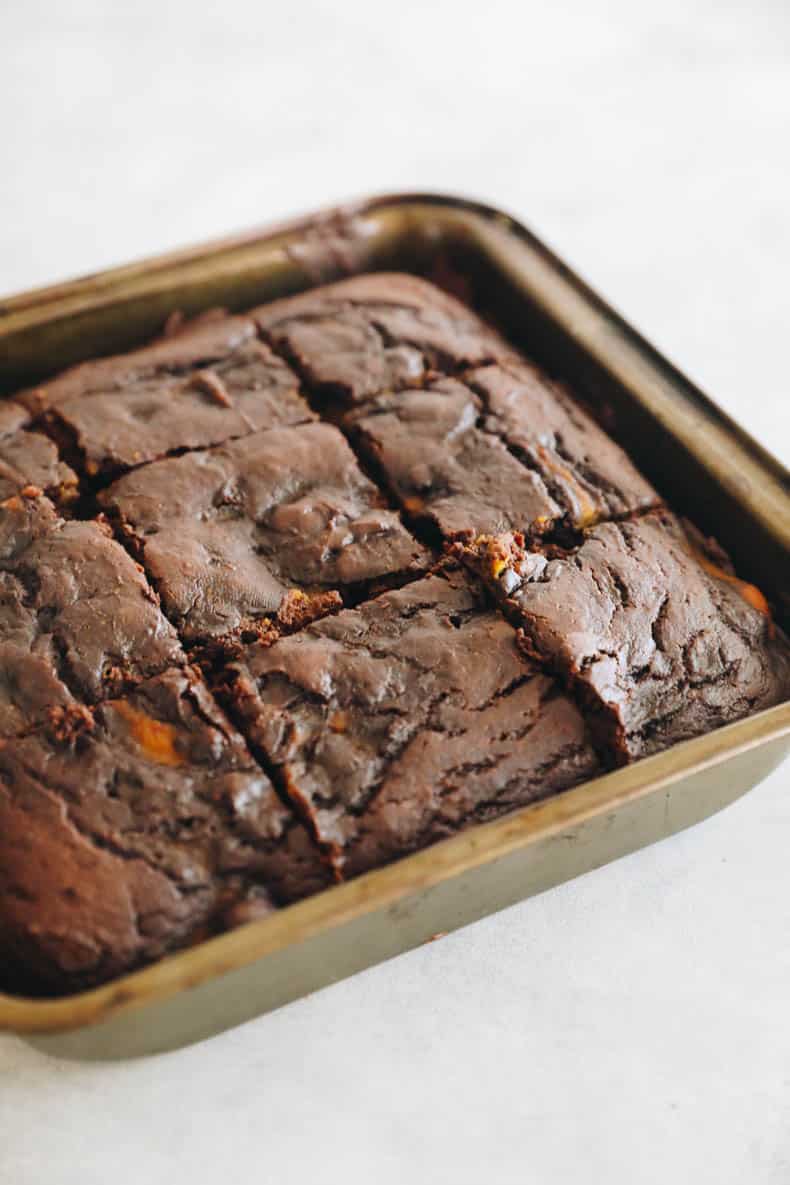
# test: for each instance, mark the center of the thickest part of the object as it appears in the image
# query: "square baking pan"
(701, 462)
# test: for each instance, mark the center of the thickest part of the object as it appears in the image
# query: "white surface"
(632, 1026)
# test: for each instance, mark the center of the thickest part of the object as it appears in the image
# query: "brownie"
(146, 824)
(200, 387)
(504, 450)
(184, 347)
(376, 333)
(78, 620)
(376, 697)
(448, 472)
(648, 624)
(399, 722)
(262, 529)
(589, 476)
(28, 458)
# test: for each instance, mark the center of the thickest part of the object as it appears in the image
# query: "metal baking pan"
(701, 461)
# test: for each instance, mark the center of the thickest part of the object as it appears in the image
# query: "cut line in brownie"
(201, 386)
(78, 620)
(29, 458)
(262, 532)
(503, 450)
(375, 333)
(139, 830)
(647, 623)
(399, 722)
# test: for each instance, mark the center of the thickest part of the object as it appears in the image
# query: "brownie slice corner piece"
(399, 722)
(264, 531)
(376, 332)
(141, 831)
(649, 625)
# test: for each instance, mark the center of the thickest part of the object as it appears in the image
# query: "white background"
(632, 1026)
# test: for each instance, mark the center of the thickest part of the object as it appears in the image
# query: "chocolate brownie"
(443, 466)
(202, 386)
(377, 333)
(504, 450)
(390, 697)
(28, 458)
(648, 624)
(399, 722)
(260, 530)
(78, 621)
(146, 823)
(584, 470)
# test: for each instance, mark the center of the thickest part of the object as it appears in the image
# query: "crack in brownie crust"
(151, 824)
(401, 721)
(228, 535)
(650, 627)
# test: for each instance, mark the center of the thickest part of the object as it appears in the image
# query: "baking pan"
(701, 461)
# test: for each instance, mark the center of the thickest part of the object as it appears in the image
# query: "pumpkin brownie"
(201, 386)
(146, 826)
(279, 524)
(648, 623)
(401, 721)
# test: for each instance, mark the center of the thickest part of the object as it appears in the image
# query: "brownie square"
(445, 468)
(375, 333)
(399, 722)
(264, 530)
(377, 701)
(504, 450)
(129, 836)
(588, 475)
(201, 387)
(28, 458)
(78, 620)
(648, 623)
